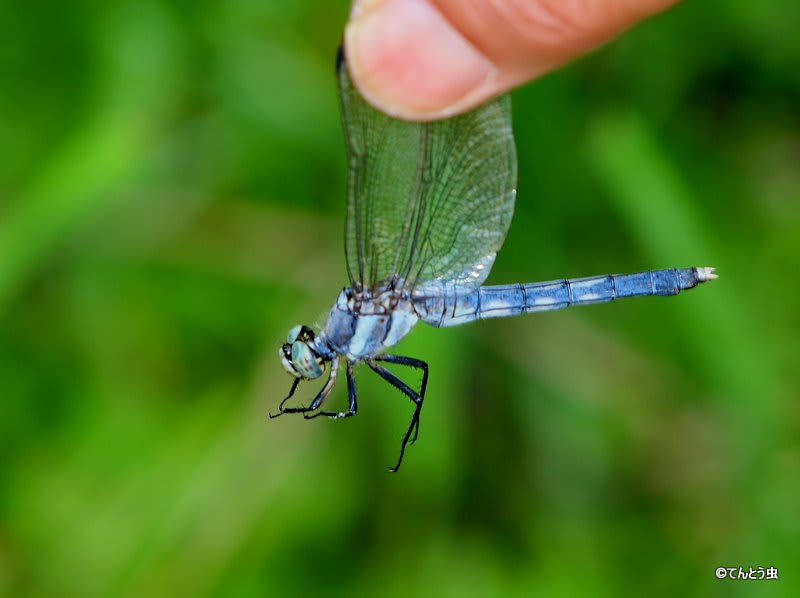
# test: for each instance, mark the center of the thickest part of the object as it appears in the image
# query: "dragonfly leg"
(291, 392)
(413, 363)
(417, 398)
(318, 400)
(351, 397)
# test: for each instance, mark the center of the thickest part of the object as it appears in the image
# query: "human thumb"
(428, 59)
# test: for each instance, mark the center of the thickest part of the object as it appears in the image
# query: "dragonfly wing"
(426, 201)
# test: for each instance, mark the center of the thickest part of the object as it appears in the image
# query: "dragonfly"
(428, 208)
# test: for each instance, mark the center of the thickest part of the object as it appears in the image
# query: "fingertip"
(408, 61)
(428, 59)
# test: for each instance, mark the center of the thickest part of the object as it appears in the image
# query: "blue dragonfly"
(428, 208)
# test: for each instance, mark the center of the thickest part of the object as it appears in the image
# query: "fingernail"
(408, 61)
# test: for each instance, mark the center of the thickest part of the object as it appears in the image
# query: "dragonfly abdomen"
(453, 308)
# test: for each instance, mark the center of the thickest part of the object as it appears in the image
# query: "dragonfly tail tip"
(704, 274)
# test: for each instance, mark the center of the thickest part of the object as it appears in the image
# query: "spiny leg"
(318, 400)
(351, 397)
(406, 390)
(413, 363)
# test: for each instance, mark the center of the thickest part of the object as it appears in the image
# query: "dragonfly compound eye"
(293, 334)
(300, 333)
(285, 353)
(305, 362)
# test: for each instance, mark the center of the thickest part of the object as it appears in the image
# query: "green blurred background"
(172, 187)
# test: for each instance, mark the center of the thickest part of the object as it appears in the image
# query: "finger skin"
(428, 59)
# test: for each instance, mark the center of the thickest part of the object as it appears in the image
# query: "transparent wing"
(426, 201)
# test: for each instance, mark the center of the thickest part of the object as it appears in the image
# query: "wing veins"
(424, 171)
(437, 206)
(426, 202)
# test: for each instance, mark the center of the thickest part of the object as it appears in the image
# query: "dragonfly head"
(298, 355)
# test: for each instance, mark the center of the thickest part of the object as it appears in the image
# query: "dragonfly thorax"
(362, 324)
